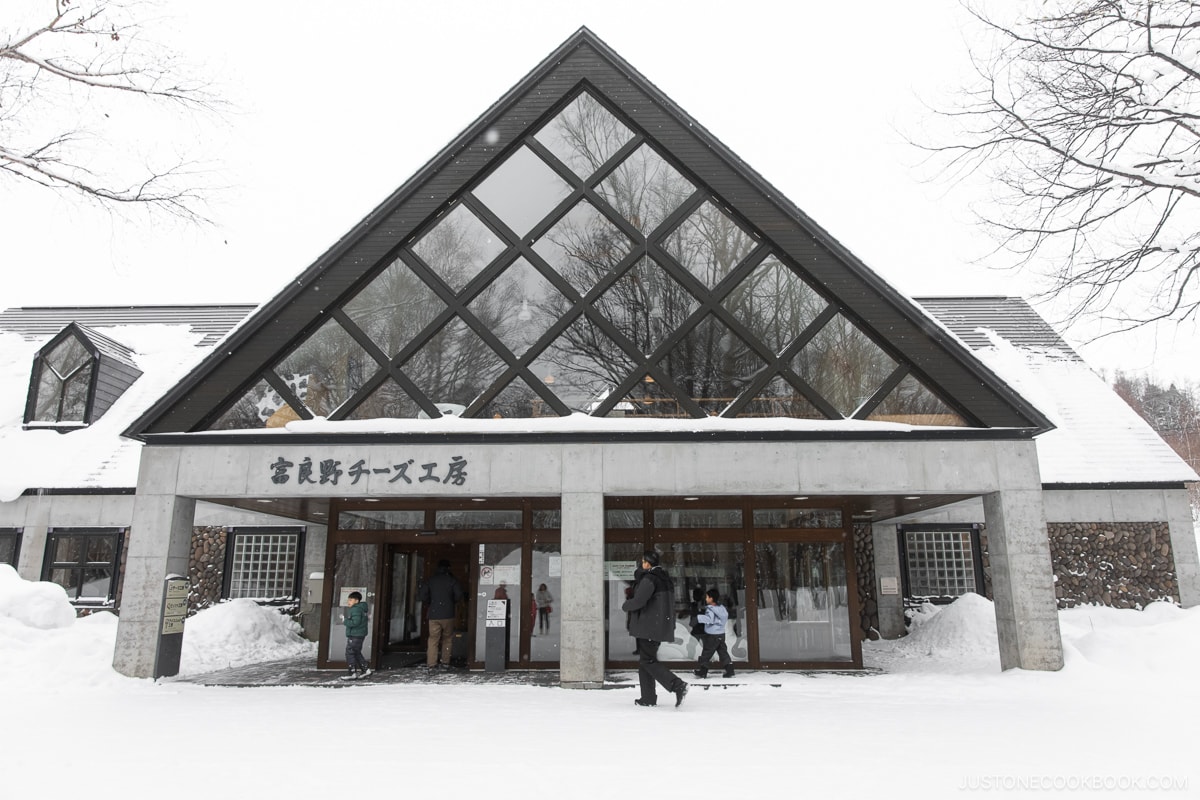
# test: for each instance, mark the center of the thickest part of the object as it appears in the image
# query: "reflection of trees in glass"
(458, 247)
(583, 246)
(645, 304)
(394, 307)
(454, 366)
(63, 382)
(912, 403)
(708, 244)
(584, 135)
(843, 364)
(774, 303)
(645, 189)
(334, 365)
(711, 364)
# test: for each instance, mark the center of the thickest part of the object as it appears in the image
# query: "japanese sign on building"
(336, 472)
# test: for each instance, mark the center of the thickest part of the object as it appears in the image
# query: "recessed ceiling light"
(869, 510)
(478, 499)
(801, 497)
(691, 498)
(913, 497)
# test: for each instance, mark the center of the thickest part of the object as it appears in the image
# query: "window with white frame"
(940, 562)
(263, 563)
(84, 561)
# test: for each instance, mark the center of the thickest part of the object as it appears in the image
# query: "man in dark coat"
(440, 594)
(652, 622)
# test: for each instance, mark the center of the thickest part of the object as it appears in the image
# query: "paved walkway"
(302, 671)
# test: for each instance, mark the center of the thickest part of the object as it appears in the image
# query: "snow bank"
(43, 644)
(35, 604)
(237, 633)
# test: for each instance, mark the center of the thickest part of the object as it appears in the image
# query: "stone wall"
(1118, 564)
(206, 567)
(864, 567)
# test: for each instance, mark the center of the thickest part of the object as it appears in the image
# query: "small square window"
(263, 564)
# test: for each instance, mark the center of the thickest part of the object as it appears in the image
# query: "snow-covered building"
(585, 329)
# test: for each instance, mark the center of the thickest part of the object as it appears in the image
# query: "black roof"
(584, 60)
(1011, 317)
(214, 321)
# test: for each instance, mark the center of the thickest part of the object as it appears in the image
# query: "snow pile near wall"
(1161, 639)
(237, 633)
(33, 604)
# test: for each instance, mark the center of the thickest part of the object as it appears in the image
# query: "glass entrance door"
(406, 626)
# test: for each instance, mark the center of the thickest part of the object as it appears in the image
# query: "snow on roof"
(96, 456)
(1098, 438)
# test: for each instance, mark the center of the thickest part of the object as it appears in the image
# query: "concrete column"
(1022, 580)
(315, 539)
(887, 566)
(581, 644)
(33, 538)
(159, 545)
(1183, 547)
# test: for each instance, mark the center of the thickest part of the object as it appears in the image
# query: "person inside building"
(441, 594)
(652, 622)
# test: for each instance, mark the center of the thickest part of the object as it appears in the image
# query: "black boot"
(702, 672)
(728, 672)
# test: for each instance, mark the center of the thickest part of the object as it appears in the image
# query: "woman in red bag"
(543, 599)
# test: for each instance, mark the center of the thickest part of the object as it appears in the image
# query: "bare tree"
(1086, 114)
(66, 67)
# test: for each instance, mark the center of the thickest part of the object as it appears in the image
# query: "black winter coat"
(652, 607)
(441, 593)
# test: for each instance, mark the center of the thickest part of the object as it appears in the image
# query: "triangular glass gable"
(586, 247)
(912, 403)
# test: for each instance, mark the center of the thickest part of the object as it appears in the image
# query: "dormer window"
(64, 383)
(76, 377)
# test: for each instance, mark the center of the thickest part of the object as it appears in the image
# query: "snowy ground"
(1122, 719)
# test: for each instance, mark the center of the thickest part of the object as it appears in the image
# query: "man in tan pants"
(441, 594)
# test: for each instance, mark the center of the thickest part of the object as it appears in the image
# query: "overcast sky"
(333, 106)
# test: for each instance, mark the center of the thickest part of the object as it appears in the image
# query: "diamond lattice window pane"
(387, 401)
(582, 365)
(394, 307)
(517, 400)
(522, 191)
(584, 135)
(583, 246)
(458, 247)
(648, 399)
(326, 369)
(912, 403)
(843, 365)
(711, 364)
(454, 366)
(260, 407)
(645, 189)
(775, 303)
(519, 306)
(646, 304)
(780, 399)
(709, 244)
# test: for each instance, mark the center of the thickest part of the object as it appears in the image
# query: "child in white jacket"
(714, 617)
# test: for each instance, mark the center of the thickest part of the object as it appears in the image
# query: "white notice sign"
(889, 585)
